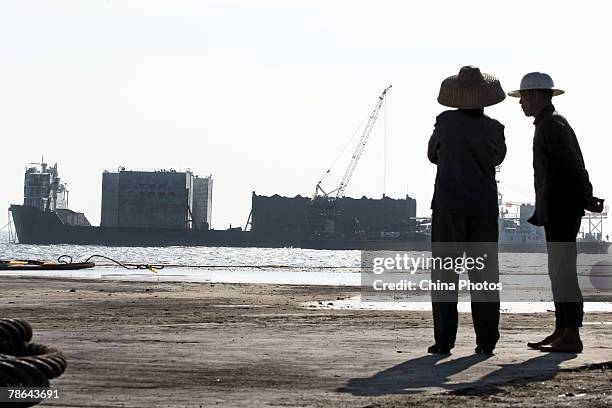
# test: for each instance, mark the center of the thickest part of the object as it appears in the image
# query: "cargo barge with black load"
(171, 208)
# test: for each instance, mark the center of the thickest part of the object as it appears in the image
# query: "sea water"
(293, 266)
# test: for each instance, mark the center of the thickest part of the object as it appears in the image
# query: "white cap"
(536, 80)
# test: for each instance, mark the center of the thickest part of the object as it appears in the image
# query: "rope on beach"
(25, 364)
(67, 259)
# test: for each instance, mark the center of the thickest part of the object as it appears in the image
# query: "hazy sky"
(265, 94)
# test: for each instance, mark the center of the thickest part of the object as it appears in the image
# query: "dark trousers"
(562, 256)
(451, 236)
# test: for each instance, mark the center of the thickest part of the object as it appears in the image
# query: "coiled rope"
(25, 364)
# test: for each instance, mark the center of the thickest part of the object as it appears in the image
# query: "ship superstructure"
(44, 191)
(42, 188)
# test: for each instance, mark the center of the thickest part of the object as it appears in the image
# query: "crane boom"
(356, 154)
(325, 217)
(362, 142)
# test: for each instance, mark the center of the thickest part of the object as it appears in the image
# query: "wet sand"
(137, 344)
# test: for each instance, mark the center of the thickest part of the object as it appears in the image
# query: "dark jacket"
(561, 182)
(466, 147)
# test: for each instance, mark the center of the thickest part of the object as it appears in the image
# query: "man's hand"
(595, 205)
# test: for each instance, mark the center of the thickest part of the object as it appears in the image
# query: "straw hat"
(470, 89)
(536, 80)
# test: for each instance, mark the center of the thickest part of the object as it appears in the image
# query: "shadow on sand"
(428, 371)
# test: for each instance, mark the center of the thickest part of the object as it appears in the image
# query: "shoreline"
(190, 344)
(385, 301)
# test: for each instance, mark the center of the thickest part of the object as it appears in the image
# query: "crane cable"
(350, 140)
(362, 142)
(385, 147)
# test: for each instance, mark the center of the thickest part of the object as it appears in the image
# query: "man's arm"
(566, 157)
(562, 147)
(434, 144)
(500, 148)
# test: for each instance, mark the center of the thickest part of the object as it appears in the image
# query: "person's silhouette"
(466, 146)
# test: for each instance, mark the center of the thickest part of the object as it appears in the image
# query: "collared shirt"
(466, 147)
(561, 181)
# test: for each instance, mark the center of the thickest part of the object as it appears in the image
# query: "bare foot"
(569, 342)
(548, 340)
(564, 345)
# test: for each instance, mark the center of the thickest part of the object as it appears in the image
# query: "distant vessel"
(170, 208)
(162, 208)
(516, 234)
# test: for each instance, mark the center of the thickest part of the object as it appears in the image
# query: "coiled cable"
(25, 364)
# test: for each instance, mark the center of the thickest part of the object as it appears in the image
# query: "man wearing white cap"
(563, 191)
(466, 146)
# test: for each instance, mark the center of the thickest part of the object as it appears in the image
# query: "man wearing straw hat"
(563, 191)
(466, 145)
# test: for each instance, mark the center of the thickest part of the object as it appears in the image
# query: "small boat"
(20, 265)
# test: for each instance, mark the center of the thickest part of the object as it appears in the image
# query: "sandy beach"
(135, 344)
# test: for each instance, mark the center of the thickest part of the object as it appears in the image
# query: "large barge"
(170, 208)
